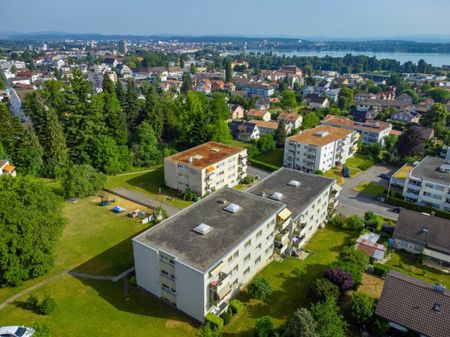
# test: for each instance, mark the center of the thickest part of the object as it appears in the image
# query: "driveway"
(353, 202)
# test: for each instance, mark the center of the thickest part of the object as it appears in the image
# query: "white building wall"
(146, 262)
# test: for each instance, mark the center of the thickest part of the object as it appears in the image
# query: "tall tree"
(55, 150)
(300, 324)
(187, 83)
(280, 134)
(436, 116)
(288, 100)
(153, 112)
(330, 323)
(29, 154)
(219, 114)
(107, 85)
(228, 71)
(145, 148)
(115, 119)
(345, 98)
(410, 143)
(132, 106)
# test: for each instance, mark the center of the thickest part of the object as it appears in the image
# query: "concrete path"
(142, 199)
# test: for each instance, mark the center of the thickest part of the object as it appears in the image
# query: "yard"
(370, 188)
(274, 157)
(289, 280)
(150, 183)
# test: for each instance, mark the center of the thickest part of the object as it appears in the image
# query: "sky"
(293, 18)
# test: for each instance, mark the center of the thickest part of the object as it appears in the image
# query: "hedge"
(263, 165)
(419, 208)
(214, 321)
(236, 306)
(380, 269)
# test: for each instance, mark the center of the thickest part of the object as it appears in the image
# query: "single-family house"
(263, 115)
(408, 116)
(316, 101)
(290, 118)
(243, 130)
(236, 111)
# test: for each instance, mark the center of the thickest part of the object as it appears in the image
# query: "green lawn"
(150, 183)
(356, 160)
(336, 173)
(274, 157)
(410, 264)
(289, 280)
(239, 143)
(94, 240)
(370, 188)
(99, 308)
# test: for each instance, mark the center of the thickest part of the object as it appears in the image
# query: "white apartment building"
(206, 168)
(199, 258)
(428, 183)
(309, 199)
(320, 148)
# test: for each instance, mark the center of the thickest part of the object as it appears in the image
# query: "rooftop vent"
(198, 157)
(263, 194)
(322, 134)
(222, 201)
(424, 230)
(294, 183)
(202, 229)
(445, 168)
(232, 208)
(437, 307)
(215, 149)
(439, 288)
(277, 196)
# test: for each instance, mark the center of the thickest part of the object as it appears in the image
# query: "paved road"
(142, 199)
(352, 202)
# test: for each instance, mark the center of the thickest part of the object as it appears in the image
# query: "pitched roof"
(428, 230)
(288, 116)
(320, 135)
(264, 124)
(415, 304)
(256, 113)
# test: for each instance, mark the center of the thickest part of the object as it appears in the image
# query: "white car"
(16, 331)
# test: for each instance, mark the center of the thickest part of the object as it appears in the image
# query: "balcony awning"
(284, 214)
(217, 269)
(210, 169)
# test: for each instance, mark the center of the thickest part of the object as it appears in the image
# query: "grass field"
(150, 183)
(289, 280)
(335, 173)
(274, 157)
(239, 143)
(371, 285)
(370, 188)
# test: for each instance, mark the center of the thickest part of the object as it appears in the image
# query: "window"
(247, 257)
(235, 269)
(259, 234)
(164, 273)
(248, 243)
(235, 283)
(258, 246)
(246, 271)
(230, 259)
(236, 254)
(258, 260)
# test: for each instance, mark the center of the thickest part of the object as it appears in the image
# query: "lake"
(437, 60)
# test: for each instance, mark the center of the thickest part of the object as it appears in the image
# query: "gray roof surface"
(428, 169)
(410, 226)
(175, 235)
(296, 199)
(410, 302)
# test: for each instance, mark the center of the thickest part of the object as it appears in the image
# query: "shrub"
(189, 195)
(379, 326)
(227, 316)
(365, 165)
(340, 278)
(319, 172)
(208, 331)
(300, 324)
(330, 323)
(41, 330)
(260, 289)
(32, 302)
(371, 220)
(362, 307)
(236, 306)
(81, 181)
(263, 165)
(133, 280)
(354, 223)
(214, 321)
(352, 269)
(248, 180)
(323, 289)
(380, 269)
(47, 306)
(264, 327)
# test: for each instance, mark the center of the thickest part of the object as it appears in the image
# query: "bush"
(80, 181)
(227, 316)
(371, 220)
(352, 269)
(214, 321)
(380, 269)
(365, 165)
(340, 278)
(189, 195)
(263, 165)
(319, 172)
(41, 330)
(248, 180)
(32, 302)
(354, 223)
(260, 289)
(330, 323)
(236, 306)
(323, 289)
(47, 306)
(352, 255)
(133, 280)
(264, 327)
(362, 308)
(409, 205)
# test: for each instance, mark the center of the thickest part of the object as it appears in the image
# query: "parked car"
(16, 331)
(346, 172)
(381, 198)
(385, 176)
(396, 210)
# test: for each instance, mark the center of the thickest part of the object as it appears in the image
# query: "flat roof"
(369, 125)
(415, 304)
(297, 199)
(311, 137)
(176, 237)
(428, 169)
(206, 154)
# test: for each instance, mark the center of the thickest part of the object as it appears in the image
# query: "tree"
(300, 324)
(28, 157)
(108, 85)
(55, 150)
(323, 289)
(132, 107)
(106, 155)
(330, 323)
(31, 218)
(340, 278)
(182, 57)
(228, 72)
(187, 83)
(345, 98)
(362, 307)
(310, 120)
(266, 143)
(439, 95)
(288, 100)
(219, 114)
(260, 288)
(264, 327)
(354, 222)
(281, 134)
(115, 118)
(145, 149)
(436, 116)
(370, 220)
(81, 181)
(410, 143)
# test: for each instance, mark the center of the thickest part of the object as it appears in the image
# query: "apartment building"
(428, 183)
(199, 258)
(320, 148)
(206, 168)
(308, 199)
(371, 131)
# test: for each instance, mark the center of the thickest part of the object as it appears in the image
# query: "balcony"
(280, 249)
(220, 286)
(282, 237)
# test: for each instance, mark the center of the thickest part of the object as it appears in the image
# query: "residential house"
(371, 131)
(315, 101)
(110, 62)
(428, 183)
(364, 96)
(16, 99)
(263, 115)
(7, 169)
(425, 133)
(320, 148)
(409, 116)
(236, 111)
(268, 127)
(426, 235)
(255, 88)
(205, 168)
(243, 130)
(199, 258)
(363, 115)
(293, 119)
(413, 305)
